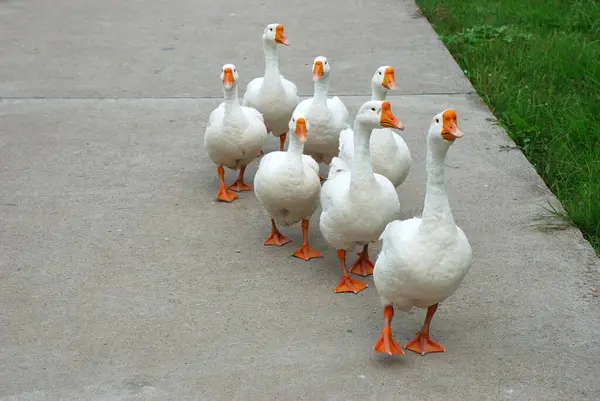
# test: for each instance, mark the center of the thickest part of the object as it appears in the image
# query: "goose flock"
(422, 260)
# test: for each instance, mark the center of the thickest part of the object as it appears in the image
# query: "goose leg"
(305, 252)
(386, 343)
(239, 185)
(282, 141)
(223, 194)
(363, 265)
(422, 344)
(347, 284)
(276, 238)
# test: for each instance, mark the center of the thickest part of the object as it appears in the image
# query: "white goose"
(423, 260)
(358, 204)
(363, 265)
(287, 185)
(273, 95)
(234, 136)
(327, 117)
(390, 155)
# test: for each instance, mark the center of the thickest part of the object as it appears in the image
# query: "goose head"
(378, 114)
(229, 76)
(384, 79)
(443, 130)
(274, 34)
(299, 126)
(300, 129)
(320, 68)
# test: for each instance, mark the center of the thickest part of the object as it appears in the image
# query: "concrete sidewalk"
(122, 279)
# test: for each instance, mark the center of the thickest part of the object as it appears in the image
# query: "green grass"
(536, 63)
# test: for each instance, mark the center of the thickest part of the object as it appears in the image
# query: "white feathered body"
(326, 123)
(288, 186)
(390, 155)
(420, 266)
(355, 216)
(275, 99)
(235, 139)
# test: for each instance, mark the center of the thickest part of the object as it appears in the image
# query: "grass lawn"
(536, 63)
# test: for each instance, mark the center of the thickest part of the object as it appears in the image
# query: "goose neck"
(295, 148)
(271, 62)
(321, 89)
(378, 92)
(362, 170)
(436, 210)
(232, 103)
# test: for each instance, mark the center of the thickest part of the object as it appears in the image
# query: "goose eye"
(271, 29)
(379, 72)
(437, 120)
(373, 109)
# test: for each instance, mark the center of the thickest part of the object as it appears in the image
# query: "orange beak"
(388, 79)
(301, 131)
(228, 78)
(318, 71)
(450, 130)
(388, 119)
(280, 36)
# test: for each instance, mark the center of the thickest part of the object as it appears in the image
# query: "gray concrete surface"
(122, 279)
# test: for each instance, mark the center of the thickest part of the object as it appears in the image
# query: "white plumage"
(273, 95)
(356, 216)
(234, 136)
(327, 117)
(390, 155)
(423, 260)
(287, 185)
(419, 266)
(357, 204)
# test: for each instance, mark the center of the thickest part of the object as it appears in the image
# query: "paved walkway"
(121, 279)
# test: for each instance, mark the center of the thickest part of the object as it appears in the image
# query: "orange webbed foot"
(386, 343)
(363, 265)
(276, 238)
(307, 253)
(239, 186)
(223, 194)
(422, 344)
(348, 284)
(226, 196)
